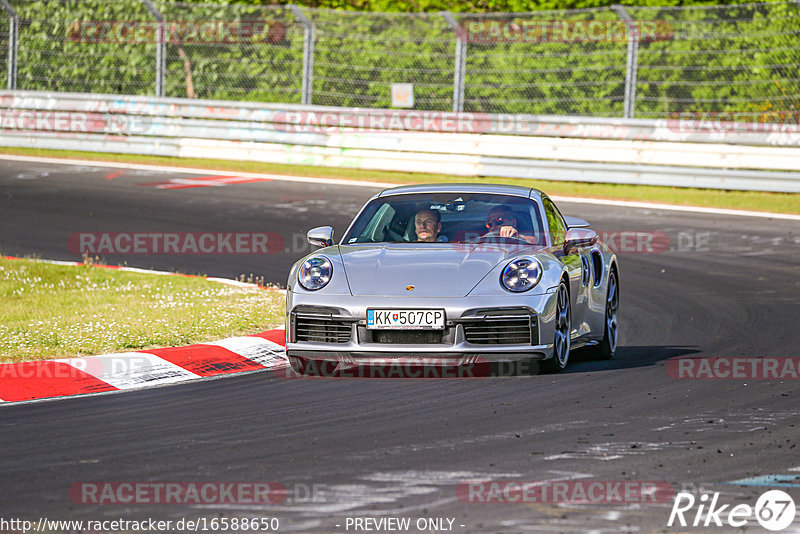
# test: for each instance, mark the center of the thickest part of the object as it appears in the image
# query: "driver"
(501, 222)
(427, 224)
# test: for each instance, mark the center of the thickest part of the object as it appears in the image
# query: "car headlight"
(315, 273)
(521, 274)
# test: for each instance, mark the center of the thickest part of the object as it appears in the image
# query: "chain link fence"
(643, 62)
(232, 52)
(60, 47)
(5, 37)
(721, 58)
(357, 57)
(551, 62)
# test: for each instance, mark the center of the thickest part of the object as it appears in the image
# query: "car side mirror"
(579, 237)
(575, 222)
(322, 236)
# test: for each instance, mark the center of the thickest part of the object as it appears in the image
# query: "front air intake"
(322, 329)
(499, 331)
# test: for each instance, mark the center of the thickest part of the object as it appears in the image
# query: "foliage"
(731, 58)
(497, 6)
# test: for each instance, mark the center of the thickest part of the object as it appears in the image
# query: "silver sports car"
(454, 273)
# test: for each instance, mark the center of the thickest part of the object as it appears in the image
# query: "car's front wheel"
(562, 330)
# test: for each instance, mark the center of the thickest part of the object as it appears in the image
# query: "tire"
(608, 347)
(562, 330)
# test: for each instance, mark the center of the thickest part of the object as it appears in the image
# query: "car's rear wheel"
(608, 346)
(562, 330)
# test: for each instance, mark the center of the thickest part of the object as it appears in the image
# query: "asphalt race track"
(345, 448)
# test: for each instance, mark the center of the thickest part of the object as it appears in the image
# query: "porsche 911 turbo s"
(454, 273)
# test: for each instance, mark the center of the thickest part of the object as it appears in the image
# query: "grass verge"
(714, 198)
(59, 311)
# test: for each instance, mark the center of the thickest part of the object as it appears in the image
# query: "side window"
(558, 230)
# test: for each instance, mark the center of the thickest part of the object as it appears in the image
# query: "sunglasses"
(497, 221)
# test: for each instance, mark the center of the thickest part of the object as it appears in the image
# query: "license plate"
(405, 319)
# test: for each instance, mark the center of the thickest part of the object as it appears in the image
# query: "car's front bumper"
(340, 333)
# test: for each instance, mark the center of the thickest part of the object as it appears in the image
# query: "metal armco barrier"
(626, 151)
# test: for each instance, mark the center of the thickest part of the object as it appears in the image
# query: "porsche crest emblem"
(409, 288)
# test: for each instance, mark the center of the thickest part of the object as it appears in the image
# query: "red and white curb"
(44, 379)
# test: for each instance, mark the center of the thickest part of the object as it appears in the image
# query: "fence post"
(161, 46)
(460, 63)
(633, 60)
(13, 32)
(308, 53)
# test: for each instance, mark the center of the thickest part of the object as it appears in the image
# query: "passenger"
(428, 224)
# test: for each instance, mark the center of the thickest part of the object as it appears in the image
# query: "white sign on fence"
(402, 95)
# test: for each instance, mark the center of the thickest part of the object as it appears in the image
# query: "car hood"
(434, 269)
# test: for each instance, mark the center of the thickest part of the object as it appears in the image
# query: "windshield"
(448, 217)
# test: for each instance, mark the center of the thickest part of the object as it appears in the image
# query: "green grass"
(742, 200)
(60, 311)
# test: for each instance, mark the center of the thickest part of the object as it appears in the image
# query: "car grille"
(322, 330)
(499, 332)
(410, 337)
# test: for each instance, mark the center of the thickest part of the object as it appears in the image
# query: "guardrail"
(687, 151)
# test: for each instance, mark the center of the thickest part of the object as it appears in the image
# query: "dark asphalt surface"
(727, 286)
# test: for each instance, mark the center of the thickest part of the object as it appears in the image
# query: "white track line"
(671, 207)
(359, 183)
(189, 170)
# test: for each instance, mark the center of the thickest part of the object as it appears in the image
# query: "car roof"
(497, 189)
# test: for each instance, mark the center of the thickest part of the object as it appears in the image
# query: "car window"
(555, 222)
(463, 217)
(376, 228)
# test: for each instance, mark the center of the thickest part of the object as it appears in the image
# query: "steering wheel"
(388, 232)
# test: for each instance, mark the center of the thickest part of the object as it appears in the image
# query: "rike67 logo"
(774, 511)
